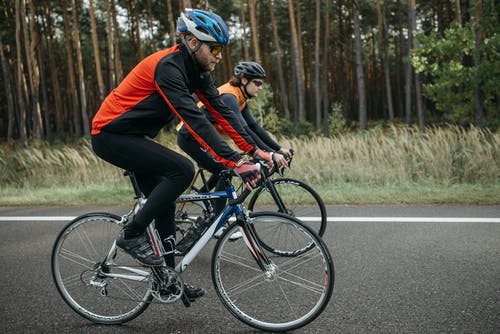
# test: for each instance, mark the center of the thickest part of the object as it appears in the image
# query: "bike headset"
(250, 70)
(205, 26)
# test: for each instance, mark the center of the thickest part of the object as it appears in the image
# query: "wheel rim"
(291, 293)
(81, 277)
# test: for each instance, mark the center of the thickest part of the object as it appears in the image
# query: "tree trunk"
(171, 21)
(325, 75)
(227, 64)
(478, 40)
(151, 45)
(246, 52)
(186, 4)
(77, 128)
(343, 65)
(458, 12)
(298, 19)
(279, 64)
(384, 61)
(49, 133)
(118, 51)
(408, 73)
(400, 67)
(265, 50)
(56, 88)
(20, 73)
(8, 94)
(134, 32)
(359, 67)
(81, 74)
(317, 65)
(414, 45)
(296, 65)
(111, 49)
(255, 31)
(34, 72)
(97, 56)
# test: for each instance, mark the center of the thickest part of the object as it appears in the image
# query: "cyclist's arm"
(231, 101)
(171, 85)
(225, 117)
(259, 131)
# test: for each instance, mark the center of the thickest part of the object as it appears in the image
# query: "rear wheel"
(95, 278)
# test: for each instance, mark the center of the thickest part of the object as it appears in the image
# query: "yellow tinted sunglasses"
(215, 49)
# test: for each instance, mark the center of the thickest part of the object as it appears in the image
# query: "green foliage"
(263, 104)
(337, 122)
(268, 116)
(451, 76)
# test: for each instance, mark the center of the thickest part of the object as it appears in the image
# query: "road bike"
(281, 194)
(275, 291)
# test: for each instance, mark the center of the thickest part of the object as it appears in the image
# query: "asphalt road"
(391, 277)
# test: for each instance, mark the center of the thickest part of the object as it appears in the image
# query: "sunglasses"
(258, 83)
(215, 49)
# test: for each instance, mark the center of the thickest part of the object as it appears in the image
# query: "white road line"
(310, 219)
(34, 218)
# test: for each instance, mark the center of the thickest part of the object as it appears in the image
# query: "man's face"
(207, 55)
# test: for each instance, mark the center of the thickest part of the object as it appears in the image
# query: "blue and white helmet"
(206, 26)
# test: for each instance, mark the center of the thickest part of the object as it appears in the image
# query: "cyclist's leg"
(211, 183)
(165, 227)
(166, 173)
(163, 221)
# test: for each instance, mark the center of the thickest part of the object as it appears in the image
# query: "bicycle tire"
(80, 274)
(300, 199)
(296, 290)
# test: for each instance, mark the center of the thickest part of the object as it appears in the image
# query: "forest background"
(404, 73)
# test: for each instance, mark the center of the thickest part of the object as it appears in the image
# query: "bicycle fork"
(274, 194)
(268, 268)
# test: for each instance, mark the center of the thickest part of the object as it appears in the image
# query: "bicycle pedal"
(186, 300)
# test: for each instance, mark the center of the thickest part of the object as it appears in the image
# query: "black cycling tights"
(161, 173)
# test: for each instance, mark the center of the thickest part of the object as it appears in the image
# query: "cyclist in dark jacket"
(158, 90)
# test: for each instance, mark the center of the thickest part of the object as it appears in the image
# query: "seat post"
(135, 185)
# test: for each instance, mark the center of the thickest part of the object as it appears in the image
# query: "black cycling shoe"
(193, 293)
(139, 248)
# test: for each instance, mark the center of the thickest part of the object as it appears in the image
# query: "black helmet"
(249, 69)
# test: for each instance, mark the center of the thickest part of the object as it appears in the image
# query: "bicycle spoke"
(74, 257)
(241, 261)
(239, 288)
(73, 280)
(303, 283)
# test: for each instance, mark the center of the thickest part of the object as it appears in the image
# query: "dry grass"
(400, 155)
(393, 158)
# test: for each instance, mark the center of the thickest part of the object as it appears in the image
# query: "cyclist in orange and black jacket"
(158, 90)
(245, 84)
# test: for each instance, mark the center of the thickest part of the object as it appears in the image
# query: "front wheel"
(283, 294)
(95, 278)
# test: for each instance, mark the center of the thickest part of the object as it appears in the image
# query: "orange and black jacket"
(159, 89)
(235, 99)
